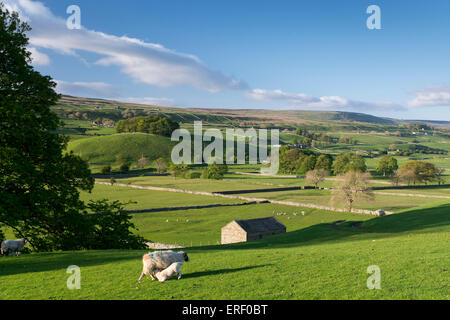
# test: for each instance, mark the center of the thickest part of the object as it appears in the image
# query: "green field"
(104, 149)
(147, 199)
(313, 260)
(323, 254)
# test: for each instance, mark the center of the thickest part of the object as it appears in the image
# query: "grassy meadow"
(323, 255)
(313, 260)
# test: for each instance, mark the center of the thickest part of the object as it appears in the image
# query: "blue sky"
(316, 55)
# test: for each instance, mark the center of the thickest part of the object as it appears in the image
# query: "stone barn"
(252, 229)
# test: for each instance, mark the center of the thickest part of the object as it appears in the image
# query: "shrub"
(177, 170)
(214, 171)
(192, 175)
(161, 165)
(105, 169)
(124, 168)
(143, 162)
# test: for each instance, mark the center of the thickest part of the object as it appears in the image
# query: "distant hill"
(132, 146)
(433, 123)
(89, 108)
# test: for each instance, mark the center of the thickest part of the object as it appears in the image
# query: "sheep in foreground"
(13, 245)
(167, 273)
(160, 260)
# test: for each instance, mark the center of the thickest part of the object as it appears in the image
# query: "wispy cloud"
(431, 97)
(324, 102)
(90, 89)
(144, 62)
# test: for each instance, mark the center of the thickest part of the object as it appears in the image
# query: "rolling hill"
(132, 146)
(114, 110)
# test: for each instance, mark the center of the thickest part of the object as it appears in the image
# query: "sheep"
(13, 245)
(167, 273)
(160, 260)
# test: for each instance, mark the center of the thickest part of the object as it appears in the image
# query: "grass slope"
(104, 149)
(315, 261)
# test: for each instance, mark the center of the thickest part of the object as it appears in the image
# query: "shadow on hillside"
(418, 220)
(222, 271)
(61, 260)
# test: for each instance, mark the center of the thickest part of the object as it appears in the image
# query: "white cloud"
(91, 89)
(144, 62)
(328, 102)
(38, 58)
(431, 97)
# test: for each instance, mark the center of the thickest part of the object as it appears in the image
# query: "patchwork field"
(324, 254)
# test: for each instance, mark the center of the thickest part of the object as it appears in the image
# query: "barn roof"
(260, 225)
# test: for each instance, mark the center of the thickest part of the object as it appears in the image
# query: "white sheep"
(167, 273)
(160, 260)
(13, 245)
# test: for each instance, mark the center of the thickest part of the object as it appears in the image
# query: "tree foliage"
(161, 165)
(348, 161)
(416, 171)
(214, 171)
(143, 162)
(324, 162)
(177, 170)
(316, 176)
(387, 165)
(151, 124)
(39, 182)
(353, 186)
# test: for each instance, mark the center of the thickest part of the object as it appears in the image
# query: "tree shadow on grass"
(42, 262)
(416, 220)
(221, 271)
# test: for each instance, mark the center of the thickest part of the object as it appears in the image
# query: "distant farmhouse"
(253, 229)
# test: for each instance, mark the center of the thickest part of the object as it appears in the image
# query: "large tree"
(316, 176)
(387, 165)
(39, 182)
(352, 186)
(417, 171)
(348, 161)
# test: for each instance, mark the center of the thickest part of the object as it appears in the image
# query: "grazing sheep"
(167, 273)
(160, 260)
(13, 245)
